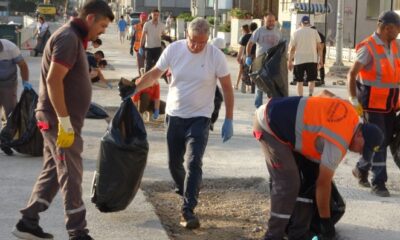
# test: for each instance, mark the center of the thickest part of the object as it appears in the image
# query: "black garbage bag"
(272, 77)
(126, 87)
(395, 143)
(96, 111)
(121, 161)
(306, 210)
(218, 99)
(21, 132)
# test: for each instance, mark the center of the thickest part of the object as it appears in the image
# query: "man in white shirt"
(305, 55)
(195, 66)
(151, 39)
(264, 38)
(10, 59)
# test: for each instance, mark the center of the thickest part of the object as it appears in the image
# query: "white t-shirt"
(305, 40)
(154, 32)
(194, 79)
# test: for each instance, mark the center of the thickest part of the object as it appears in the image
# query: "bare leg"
(300, 88)
(311, 85)
(239, 77)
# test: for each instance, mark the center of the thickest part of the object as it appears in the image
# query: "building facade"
(359, 19)
(4, 7)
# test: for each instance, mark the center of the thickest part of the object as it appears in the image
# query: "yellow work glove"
(356, 105)
(66, 134)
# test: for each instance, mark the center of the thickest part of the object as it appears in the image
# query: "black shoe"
(7, 150)
(189, 220)
(380, 190)
(178, 191)
(24, 232)
(81, 237)
(362, 177)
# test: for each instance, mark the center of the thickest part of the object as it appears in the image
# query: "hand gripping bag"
(20, 131)
(121, 160)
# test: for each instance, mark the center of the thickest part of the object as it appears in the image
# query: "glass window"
(373, 8)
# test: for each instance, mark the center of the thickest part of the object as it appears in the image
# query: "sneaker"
(362, 177)
(380, 190)
(189, 220)
(22, 231)
(81, 237)
(7, 150)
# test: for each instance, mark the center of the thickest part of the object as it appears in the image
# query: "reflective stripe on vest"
(330, 118)
(382, 77)
(138, 35)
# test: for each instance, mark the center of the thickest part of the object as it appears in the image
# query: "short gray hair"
(199, 26)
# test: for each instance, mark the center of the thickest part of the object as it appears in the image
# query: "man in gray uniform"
(64, 98)
(10, 58)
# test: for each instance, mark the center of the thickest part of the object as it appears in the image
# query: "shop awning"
(310, 8)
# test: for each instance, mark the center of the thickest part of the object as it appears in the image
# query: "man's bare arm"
(351, 78)
(148, 79)
(227, 90)
(55, 87)
(24, 70)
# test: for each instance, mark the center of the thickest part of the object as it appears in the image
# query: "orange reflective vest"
(381, 81)
(138, 35)
(332, 119)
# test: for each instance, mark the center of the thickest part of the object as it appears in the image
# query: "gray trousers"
(62, 169)
(8, 100)
(285, 177)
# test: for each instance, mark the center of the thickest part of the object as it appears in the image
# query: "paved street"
(366, 217)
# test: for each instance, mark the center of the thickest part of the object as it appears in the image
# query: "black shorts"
(309, 68)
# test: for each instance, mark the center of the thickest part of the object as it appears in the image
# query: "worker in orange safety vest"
(321, 129)
(374, 90)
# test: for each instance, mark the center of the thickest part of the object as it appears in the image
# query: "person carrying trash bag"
(11, 59)
(64, 99)
(305, 211)
(195, 66)
(321, 129)
(21, 132)
(122, 159)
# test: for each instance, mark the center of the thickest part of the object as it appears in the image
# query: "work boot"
(23, 231)
(362, 177)
(189, 220)
(7, 150)
(81, 237)
(380, 190)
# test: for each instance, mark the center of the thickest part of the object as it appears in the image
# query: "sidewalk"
(367, 217)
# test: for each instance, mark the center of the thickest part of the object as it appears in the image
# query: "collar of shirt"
(81, 28)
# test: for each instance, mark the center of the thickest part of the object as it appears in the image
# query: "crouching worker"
(321, 129)
(96, 74)
(148, 101)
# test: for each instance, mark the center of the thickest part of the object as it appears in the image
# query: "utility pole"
(338, 67)
(339, 34)
(159, 8)
(215, 18)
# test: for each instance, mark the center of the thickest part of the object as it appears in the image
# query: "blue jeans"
(258, 100)
(385, 121)
(189, 134)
